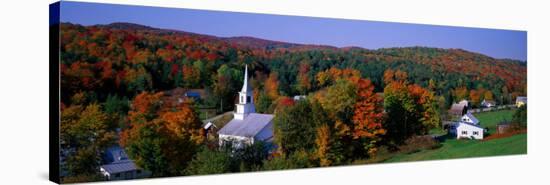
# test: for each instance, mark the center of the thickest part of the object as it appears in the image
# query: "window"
(476, 133)
(242, 100)
(464, 132)
(117, 175)
(138, 171)
(248, 99)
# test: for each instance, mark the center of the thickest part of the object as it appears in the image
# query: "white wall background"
(24, 90)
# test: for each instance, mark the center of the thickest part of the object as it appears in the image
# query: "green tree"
(263, 103)
(211, 161)
(293, 128)
(520, 116)
(299, 159)
(410, 109)
(88, 132)
(116, 105)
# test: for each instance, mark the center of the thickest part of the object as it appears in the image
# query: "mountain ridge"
(261, 43)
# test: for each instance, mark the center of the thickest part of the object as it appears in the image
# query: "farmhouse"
(467, 130)
(247, 126)
(521, 101)
(467, 127)
(119, 167)
(488, 103)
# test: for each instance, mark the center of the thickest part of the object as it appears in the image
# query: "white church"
(247, 126)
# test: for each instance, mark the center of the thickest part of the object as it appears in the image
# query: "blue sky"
(306, 30)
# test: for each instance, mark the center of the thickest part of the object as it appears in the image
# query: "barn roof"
(250, 126)
(457, 109)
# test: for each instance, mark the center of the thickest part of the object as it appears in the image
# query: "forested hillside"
(124, 59)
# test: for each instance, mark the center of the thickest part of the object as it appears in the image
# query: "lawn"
(453, 148)
(491, 119)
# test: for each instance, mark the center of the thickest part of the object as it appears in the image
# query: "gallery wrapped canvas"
(144, 92)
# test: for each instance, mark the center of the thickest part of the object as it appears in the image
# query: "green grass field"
(452, 148)
(491, 119)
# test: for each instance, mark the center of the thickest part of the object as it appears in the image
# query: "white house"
(467, 130)
(299, 97)
(488, 103)
(467, 127)
(247, 126)
(119, 167)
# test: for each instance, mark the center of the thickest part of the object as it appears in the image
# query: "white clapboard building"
(467, 127)
(247, 126)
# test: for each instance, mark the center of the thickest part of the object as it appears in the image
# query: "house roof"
(116, 161)
(521, 99)
(120, 167)
(489, 101)
(250, 126)
(471, 117)
(115, 154)
(466, 123)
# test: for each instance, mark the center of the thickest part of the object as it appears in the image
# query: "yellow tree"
(272, 86)
(323, 142)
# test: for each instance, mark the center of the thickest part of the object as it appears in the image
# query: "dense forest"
(113, 78)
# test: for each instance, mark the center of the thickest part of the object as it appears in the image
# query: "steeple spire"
(246, 86)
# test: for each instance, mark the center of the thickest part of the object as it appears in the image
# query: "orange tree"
(411, 109)
(162, 140)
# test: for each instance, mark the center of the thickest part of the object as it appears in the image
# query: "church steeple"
(246, 86)
(246, 102)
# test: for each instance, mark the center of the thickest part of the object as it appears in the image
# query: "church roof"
(250, 126)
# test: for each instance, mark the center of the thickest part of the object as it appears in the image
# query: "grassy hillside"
(469, 148)
(491, 119)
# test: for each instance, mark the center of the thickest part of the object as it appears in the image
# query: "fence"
(478, 110)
